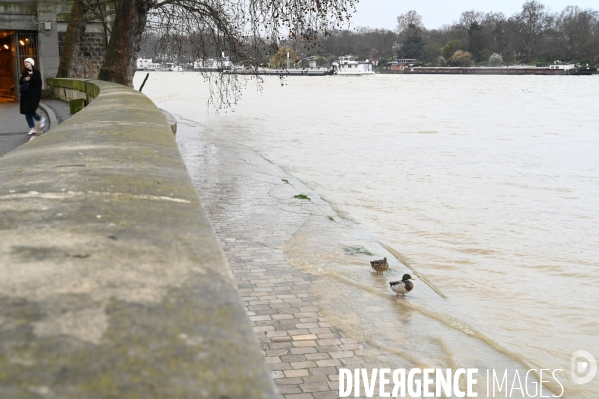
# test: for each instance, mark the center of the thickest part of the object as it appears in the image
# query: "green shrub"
(461, 59)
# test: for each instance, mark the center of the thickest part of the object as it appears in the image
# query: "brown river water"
(483, 188)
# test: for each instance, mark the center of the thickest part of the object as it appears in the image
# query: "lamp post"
(288, 60)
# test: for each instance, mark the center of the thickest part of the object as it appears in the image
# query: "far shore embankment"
(516, 70)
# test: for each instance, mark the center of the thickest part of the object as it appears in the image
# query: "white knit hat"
(29, 60)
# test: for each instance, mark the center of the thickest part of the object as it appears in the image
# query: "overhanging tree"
(243, 30)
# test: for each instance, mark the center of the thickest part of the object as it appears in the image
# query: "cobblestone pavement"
(254, 213)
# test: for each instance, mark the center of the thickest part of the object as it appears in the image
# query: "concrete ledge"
(76, 105)
(71, 89)
(75, 89)
(52, 118)
(172, 122)
(112, 281)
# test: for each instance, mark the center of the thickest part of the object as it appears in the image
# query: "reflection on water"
(488, 187)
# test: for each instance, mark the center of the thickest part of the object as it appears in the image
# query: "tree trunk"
(125, 42)
(72, 37)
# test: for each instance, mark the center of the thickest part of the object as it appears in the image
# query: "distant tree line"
(364, 43)
(535, 34)
(532, 35)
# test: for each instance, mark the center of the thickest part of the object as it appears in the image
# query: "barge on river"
(280, 72)
(516, 70)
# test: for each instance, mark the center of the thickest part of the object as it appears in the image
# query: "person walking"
(31, 93)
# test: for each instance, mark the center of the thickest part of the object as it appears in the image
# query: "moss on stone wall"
(18, 8)
(76, 105)
(76, 84)
(47, 93)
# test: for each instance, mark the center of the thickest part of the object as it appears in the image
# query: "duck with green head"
(402, 287)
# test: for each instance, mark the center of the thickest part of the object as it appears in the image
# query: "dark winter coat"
(30, 99)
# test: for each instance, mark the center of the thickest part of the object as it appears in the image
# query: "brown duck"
(379, 265)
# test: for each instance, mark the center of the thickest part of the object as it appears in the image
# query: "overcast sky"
(435, 13)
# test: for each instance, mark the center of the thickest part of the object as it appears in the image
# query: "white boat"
(564, 66)
(153, 67)
(347, 65)
(216, 64)
(142, 64)
(574, 68)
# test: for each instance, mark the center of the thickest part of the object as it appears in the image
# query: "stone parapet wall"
(113, 282)
(71, 89)
(16, 15)
(18, 7)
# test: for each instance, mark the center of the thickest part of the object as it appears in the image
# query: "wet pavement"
(60, 108)
(14, 128)
(252, 207)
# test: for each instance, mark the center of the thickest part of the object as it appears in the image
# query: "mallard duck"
(379, 265)
(404, 286)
